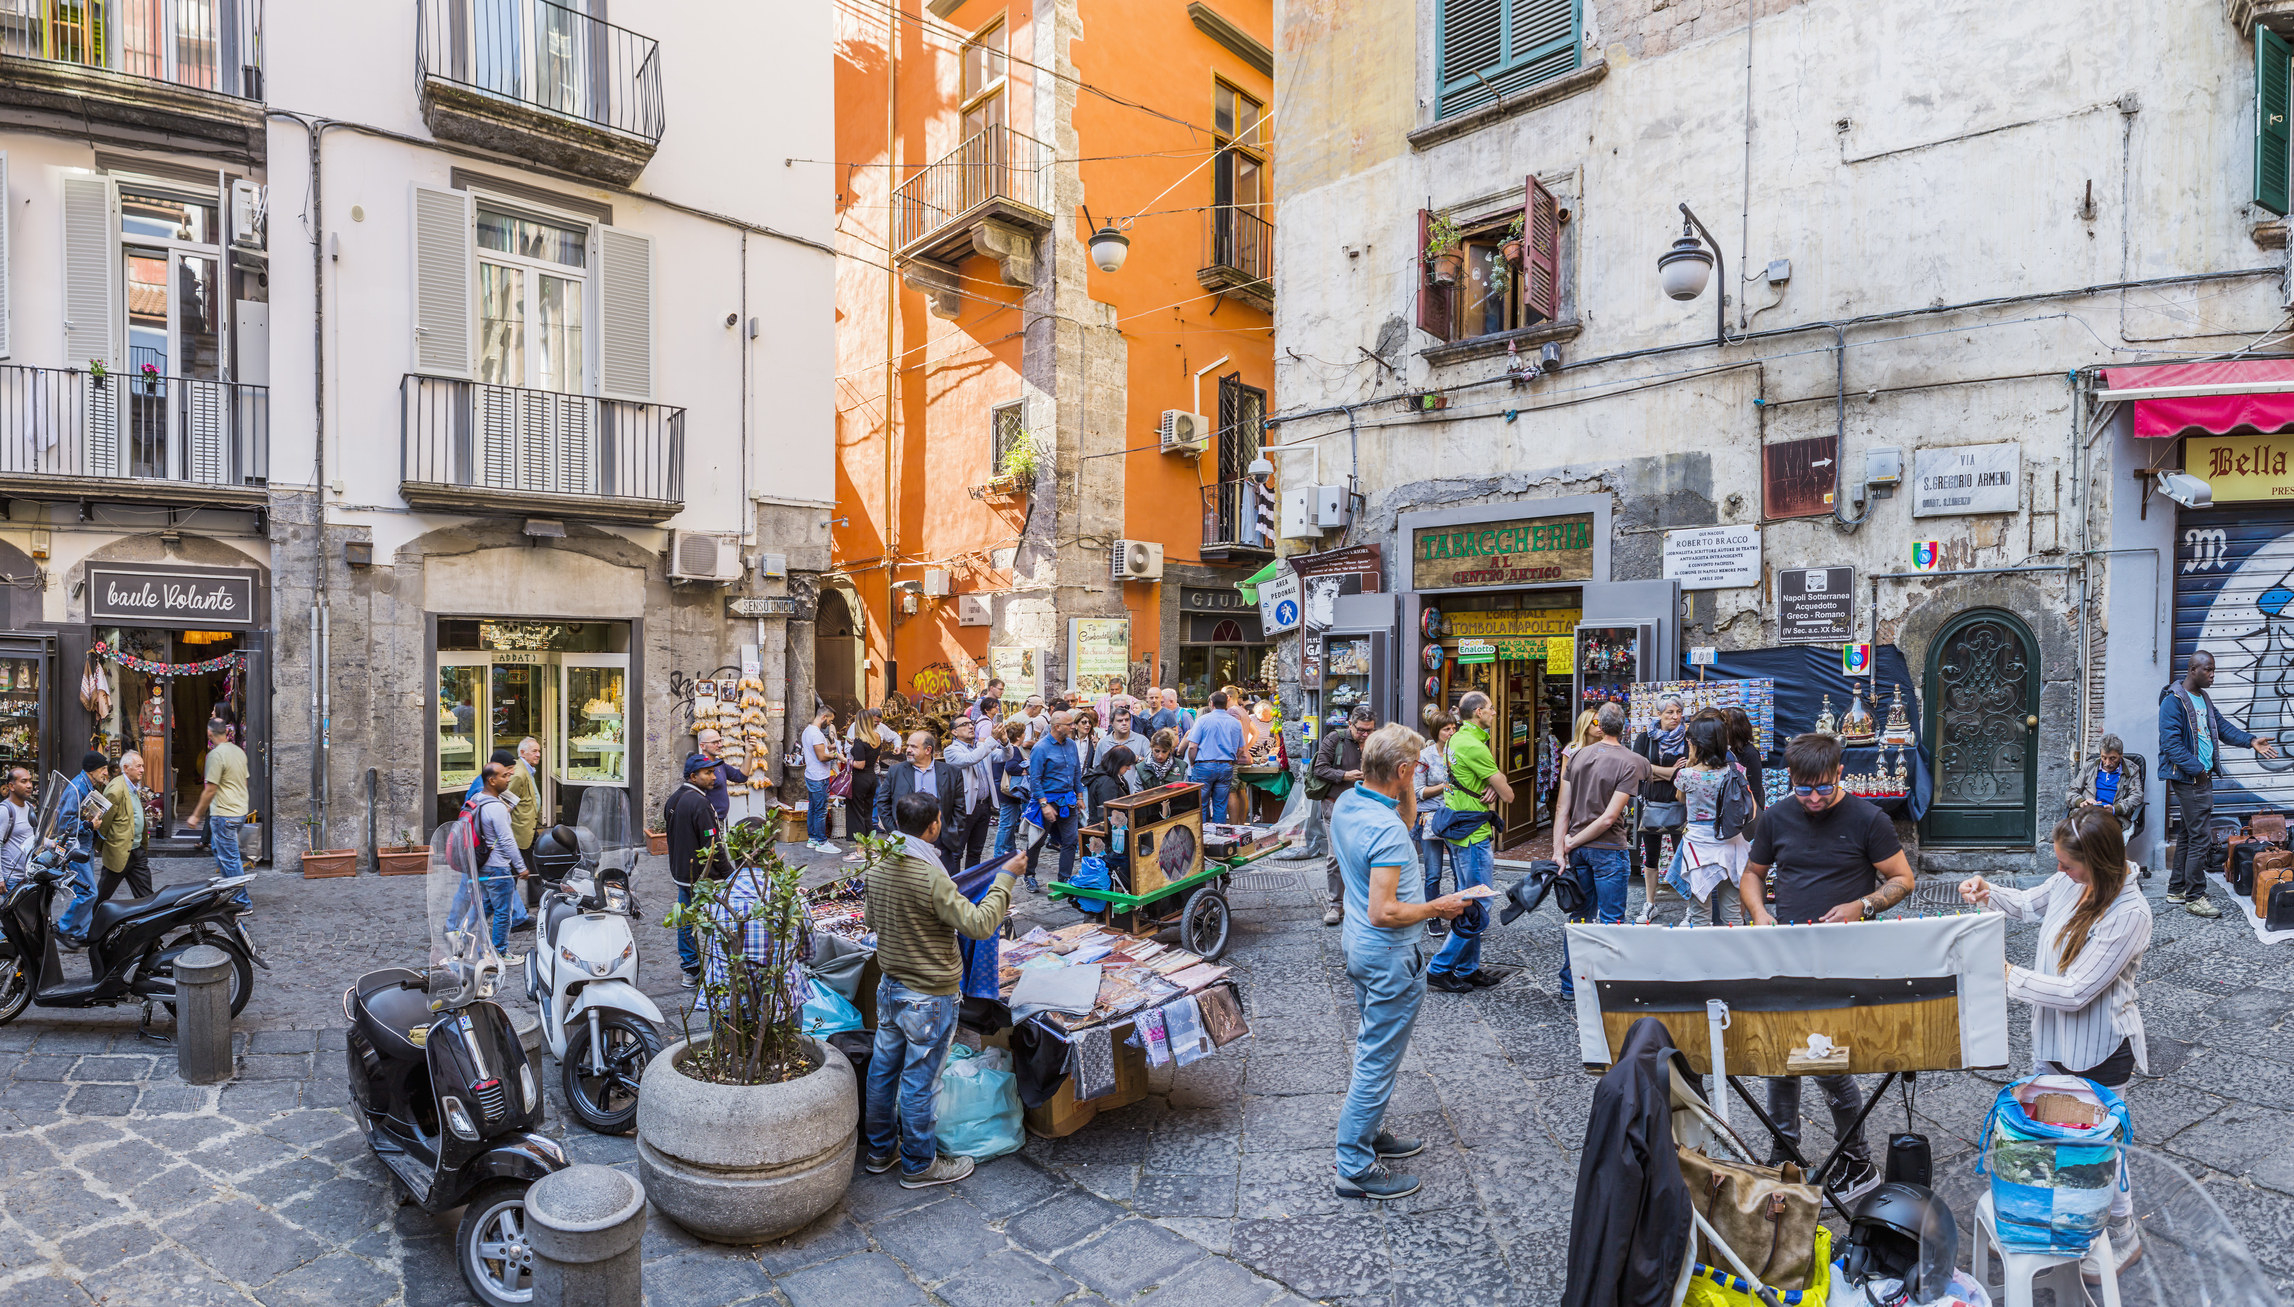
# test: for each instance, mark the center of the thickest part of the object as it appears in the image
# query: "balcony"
(1232, 527)
(467, 447)
(1238, 257)
(176, 74)
(541, 82)
(145, 438)
(990, 195)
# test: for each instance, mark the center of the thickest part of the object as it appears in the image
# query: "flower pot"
(745, 1164)
(657, 842)
(1449, 267)
(1512, 251)
(326, 864)
(402, 860)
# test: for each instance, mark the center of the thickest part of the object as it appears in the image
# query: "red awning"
(2220, 397)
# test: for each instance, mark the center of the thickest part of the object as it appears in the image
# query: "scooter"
(132, 945)
(443, 1090)
(582, 974)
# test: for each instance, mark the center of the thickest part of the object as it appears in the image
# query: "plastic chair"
(2022, 1269)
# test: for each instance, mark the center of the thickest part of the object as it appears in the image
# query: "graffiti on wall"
(2234, 598)
(684, 689)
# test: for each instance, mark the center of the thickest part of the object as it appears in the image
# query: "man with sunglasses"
(1837, 859)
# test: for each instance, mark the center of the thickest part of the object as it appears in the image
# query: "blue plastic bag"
(2051, 1185)
(979, 1105)
(1090, 873)
(827, 1012)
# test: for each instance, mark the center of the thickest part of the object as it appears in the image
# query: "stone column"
(203, 1015)
(586, 1225)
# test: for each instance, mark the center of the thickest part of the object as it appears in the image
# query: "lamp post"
(1108, 245)
(1684, 269)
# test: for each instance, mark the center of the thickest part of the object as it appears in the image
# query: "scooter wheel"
(607, 1103)
(15, 988)
(497, 1260)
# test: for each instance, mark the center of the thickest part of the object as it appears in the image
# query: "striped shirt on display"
(2078, 1017)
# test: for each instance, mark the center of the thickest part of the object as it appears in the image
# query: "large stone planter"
(746, 1164)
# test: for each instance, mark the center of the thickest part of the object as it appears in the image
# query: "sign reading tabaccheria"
(1529, 551)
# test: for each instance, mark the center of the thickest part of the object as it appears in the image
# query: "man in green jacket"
(916, 912)
(121, 837)
(526, 813)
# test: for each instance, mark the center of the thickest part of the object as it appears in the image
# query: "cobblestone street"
(122, 1185)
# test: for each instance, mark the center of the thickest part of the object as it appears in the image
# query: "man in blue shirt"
(1055, 779)
(1169, 716)
(1212, 743)
(78, 836)
(1386, 912)
(2191, 733)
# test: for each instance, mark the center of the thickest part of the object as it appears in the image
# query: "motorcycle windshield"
(51, 804)
(608, 842)
(461, 926)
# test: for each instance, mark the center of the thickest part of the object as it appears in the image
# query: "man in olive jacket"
(526, 813)
(916, 911)
(123, 839)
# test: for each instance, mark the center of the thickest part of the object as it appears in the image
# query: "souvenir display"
(1433, 688)
(741, 718)
(1898, 731)
(1757, 697)
(1856, 727)
(1430, 622)
(1826, 722)
(1433, 657)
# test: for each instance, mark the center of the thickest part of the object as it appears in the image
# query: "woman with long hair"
(1432, 783)
(1706, 867)
(866, 747)
(2094, 926)
(1587, 732)
(1664, 745)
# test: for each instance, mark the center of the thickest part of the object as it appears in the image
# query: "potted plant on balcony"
(1444, 248)
(97, 372)
(151, 378)
(1512, 248)
(1015, 474)
(746, 1130)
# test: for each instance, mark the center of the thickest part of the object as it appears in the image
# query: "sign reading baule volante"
(1525, 551)
(198, 598)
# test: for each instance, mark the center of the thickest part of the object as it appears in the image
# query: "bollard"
(586, 1225)
(203, 1015)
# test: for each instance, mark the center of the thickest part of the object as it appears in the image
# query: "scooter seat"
(560, 912)
(389, 1014)
(108, 915)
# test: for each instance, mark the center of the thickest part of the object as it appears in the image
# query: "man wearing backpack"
(499, 862)
(2192, 732)
(19, 825)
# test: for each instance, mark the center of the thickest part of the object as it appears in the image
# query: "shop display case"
(1354, 671)
(1609, 660)
(26, 663)
(461, 709)
(593, 707)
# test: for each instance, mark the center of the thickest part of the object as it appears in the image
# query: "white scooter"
(582, 974)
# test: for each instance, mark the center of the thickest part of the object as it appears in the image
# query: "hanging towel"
(1222, 1015)
(1183, 1022)
(1094, 1063)
(1153, 1038)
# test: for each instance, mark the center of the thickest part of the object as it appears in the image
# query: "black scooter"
(132, 945)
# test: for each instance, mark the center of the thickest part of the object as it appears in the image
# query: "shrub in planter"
(746, 1128)
(1445, 248)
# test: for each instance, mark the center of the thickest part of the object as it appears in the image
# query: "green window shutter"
(2273, 64)
(1473, 32)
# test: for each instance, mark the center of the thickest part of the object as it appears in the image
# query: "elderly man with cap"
(696, 848)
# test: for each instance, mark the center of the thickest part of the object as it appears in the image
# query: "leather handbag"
(2240, 872)
(1766, 1216)
(2269, 827)
(2273, 868)
(1670, 815)
(2281, 913)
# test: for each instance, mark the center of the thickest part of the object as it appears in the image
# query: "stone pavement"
(119, 1184)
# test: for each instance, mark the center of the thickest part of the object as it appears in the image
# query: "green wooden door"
(1983, 726)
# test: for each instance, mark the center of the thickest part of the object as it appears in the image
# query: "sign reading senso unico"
(1527, 551)
(221, 597)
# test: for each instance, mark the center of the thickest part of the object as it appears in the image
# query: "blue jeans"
(913, 1032)
(1389, 984)
(1430, 851)
(1007, 825)
(1470, 865)
(1602, 874)
(223, 842)
(1218, 777)
(816, 809)
(499, 889)
(82, 910)
(1059, 835)
(688, 953)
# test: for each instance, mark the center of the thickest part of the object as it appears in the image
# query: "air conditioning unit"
(972, 610)
(1138, 560)
(250, 215)
(936, 582)
(1184, 432)
(704, 556)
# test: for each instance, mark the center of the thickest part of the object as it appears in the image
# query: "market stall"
(1800, 689)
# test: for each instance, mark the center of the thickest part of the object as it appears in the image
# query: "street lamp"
(1684, 269)
(1109, 246)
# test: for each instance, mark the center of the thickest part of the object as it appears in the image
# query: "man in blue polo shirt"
(1212, 743)
(1055, 780)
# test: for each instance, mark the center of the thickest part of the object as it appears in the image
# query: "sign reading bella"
(198, 598)
(1527, 551)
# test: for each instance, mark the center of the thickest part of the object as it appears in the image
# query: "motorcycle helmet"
(1902, 1232)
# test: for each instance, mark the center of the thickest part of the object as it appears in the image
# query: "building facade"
(1042, 463)
(1887, 386)
(452, 389)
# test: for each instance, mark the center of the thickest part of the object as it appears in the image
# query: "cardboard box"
(1063, 1116)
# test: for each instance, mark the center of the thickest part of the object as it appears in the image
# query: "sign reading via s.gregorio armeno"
(197, 598)
(1526, 551)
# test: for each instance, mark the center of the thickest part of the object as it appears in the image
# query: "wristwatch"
(1866, 903)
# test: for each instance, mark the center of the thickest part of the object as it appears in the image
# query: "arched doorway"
(836, 654)
(1983, 724)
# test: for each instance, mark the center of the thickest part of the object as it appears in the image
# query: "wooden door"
(1983, 724)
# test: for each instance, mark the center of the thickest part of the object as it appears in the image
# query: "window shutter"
(625, 314)
(91, 272)
(1541, 253)
(1433, 297)
(445, 281)
(2273, 63)
(3, 254)
(1473, 35)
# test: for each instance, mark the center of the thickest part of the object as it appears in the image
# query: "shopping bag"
(979, 1105)
(2052, 1179)
(827, 1012)
(1720, 1286)
(1090, 873)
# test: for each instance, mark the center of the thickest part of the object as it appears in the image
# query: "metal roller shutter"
(2234, 598)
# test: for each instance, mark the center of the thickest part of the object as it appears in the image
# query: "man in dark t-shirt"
(1836, 859)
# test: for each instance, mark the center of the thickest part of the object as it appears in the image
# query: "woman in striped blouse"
(2094, 925)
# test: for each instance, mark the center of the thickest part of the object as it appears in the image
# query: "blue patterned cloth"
(745, 891)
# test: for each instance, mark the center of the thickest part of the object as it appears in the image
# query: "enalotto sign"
(1967, 479)
(187, 597)
(1713, 557)
(1528, 551)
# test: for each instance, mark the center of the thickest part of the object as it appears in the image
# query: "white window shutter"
(625, 314)
(445, 281)
(4, 211)
(91, 272)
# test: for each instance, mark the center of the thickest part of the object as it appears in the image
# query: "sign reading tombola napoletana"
(1525, 551)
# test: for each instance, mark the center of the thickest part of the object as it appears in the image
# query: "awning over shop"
(2217, 397)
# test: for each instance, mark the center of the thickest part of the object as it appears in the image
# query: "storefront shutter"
(625, 314)
(2273, 66)
(445, 281)
(1541, 253)
(1433, 297)
(91, 272)
(4, 206)
(2234, 597)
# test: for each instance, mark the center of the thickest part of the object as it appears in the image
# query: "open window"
(1506, 275)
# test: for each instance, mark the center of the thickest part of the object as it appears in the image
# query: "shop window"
(1485, 292)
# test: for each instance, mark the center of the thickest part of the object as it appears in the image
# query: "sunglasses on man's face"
(1820, 791)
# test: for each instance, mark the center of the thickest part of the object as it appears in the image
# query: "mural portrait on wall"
(2234, 598)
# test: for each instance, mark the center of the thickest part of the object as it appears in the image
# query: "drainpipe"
(891, 532)
(313, 129)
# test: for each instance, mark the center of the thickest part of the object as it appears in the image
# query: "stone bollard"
(586, 1225)
(203, 1015)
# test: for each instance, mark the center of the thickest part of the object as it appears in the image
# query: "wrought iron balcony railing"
(1233, 524)
(543, 56)
(995, 172)
(1241, 242)
(209, 45)
(150, 435)
(468, 446)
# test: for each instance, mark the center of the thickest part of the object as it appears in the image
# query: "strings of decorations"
(231, 662)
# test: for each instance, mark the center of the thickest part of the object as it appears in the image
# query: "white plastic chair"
(2022, 1269)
